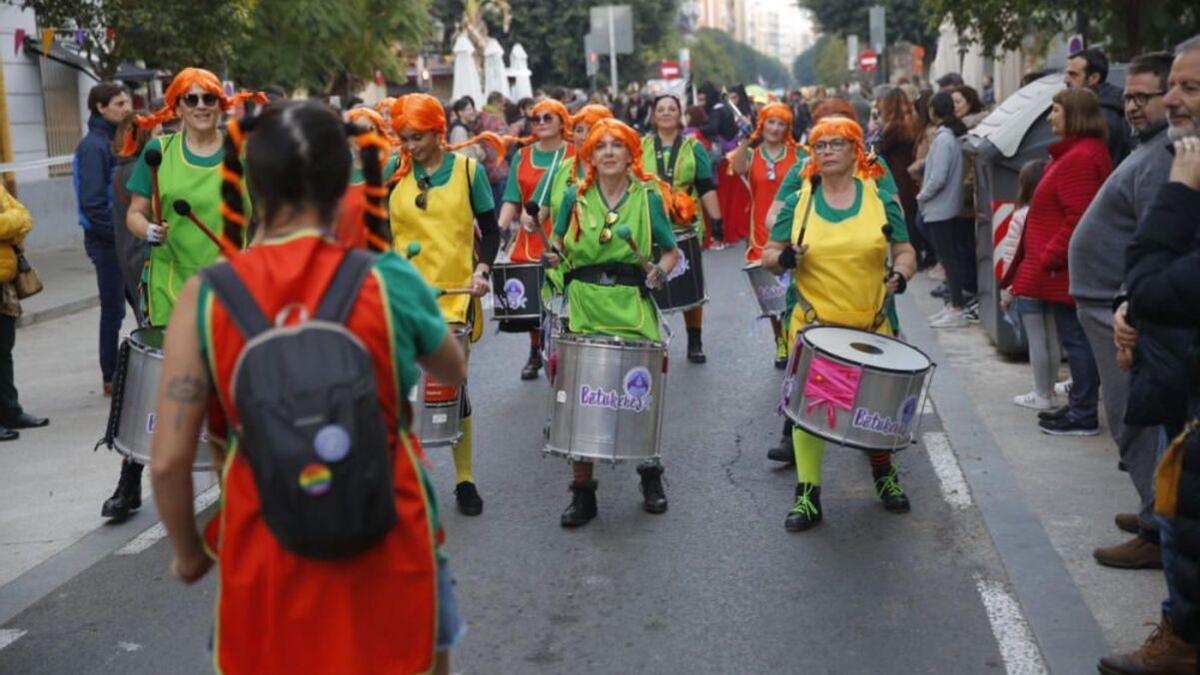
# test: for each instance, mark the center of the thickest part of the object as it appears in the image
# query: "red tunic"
(762, 193)
(734, 199)
(527, 247)
(278, 612)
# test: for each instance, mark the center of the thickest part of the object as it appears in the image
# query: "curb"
(58, 311)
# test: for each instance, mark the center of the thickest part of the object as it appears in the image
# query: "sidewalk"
(70, 282)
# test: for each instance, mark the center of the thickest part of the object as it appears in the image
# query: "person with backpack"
(301, 353)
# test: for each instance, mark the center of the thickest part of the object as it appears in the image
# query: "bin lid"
(1007, 125)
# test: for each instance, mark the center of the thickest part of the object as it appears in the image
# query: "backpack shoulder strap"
(343, 289)
(235, 297)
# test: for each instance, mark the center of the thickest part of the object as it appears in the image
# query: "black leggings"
(954, 244)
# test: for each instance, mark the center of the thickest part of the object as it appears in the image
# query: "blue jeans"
(450, 626)
(1085, 377)
(103, 254)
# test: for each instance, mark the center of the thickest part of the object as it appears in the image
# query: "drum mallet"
(626, 235)
(154, 160)
(183, 208)
(414, 249)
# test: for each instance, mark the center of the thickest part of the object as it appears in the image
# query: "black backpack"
(311, 427)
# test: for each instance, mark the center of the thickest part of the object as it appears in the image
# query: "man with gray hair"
(1161, 276)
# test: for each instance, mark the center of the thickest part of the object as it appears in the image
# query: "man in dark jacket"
(1163, 276)
(110, 105)
(1089, 68)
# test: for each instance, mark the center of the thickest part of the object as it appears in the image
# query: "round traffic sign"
(868, 61)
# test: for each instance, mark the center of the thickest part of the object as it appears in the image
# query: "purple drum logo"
(637, 382)
(907, 411)
(514, 294)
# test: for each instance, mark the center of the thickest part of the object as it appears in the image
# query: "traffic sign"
(868, 61)
(669, 70)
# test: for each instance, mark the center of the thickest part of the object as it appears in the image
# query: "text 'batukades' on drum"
(607, 398)
(857, 389)
(685, 283)
(132, 414)
(437, 409)
(770, 290)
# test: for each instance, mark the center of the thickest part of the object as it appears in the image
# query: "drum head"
(870, 350)
(150, 337)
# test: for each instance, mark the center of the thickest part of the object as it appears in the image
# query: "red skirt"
(734, 198)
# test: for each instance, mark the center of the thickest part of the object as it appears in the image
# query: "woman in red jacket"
(1078, 166)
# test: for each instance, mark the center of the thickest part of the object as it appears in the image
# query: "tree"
(1125, 27)
(327, 46)
(830, 69)
(804, 68)
(719, 58)
(169, 34)
(906, 20)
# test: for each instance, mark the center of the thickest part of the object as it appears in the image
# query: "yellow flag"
(47, 39)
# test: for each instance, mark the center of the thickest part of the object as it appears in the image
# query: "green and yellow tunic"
(681, 165)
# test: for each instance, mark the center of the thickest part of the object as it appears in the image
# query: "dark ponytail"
(372, 150)
(233, 207)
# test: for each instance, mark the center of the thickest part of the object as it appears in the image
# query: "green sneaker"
(806, 512)
(887, 488)
(781, 352)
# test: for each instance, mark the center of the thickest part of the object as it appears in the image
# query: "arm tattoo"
(186, 390)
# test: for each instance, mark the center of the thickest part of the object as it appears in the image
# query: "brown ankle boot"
(1163, 653)
(1135, 554)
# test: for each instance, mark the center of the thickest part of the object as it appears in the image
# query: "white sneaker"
(952, 318)
(1063, 388)
(1034, 401)
(940, 313)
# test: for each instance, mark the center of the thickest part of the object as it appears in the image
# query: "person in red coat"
(1079, 164)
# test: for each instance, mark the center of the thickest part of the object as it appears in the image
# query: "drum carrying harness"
(610, 274)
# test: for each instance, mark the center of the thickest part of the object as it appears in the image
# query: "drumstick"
(533, 210)
(414, 249)
(154, 160)
(183, 208)
(626, 235)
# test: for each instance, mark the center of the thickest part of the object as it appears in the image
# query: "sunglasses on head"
(542, 119)
(422, 200)
(193, 100)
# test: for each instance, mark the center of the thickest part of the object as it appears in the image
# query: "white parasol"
(495, 77)
(466, 73)
(518, 69)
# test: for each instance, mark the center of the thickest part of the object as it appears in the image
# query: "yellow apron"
(840, 278)
(445, 229)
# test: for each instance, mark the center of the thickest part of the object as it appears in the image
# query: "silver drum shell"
(769, 290)
(139, 398)
(439, 424)
(601, 432)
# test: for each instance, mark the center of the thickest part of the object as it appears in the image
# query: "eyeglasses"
(1142, 99)
(606, 234)
(832, 144)
(542, 119)
(193, 100)
(422, 200)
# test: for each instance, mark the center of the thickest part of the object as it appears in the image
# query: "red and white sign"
(868, 61)
(669, 70)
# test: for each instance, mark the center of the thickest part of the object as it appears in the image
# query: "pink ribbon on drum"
(832, 385)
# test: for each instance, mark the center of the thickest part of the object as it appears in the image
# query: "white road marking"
(147, 539)
(945, 465)
(129, 646)
(1017, 646)
(9, 636)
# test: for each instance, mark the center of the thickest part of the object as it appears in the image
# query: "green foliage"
(719, 58)
(830, 68)
(322, 45)
(168, 34)
(804, 68)
(906, 20)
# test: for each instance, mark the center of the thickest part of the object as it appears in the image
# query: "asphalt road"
(715, 585)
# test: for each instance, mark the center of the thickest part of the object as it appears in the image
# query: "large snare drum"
(769, 289)
(437, 409)
(554, 324)
(136, 395)
(685, 284)
(517, 289)
(607, 399)
(858, 389)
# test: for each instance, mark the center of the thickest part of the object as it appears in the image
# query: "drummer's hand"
(156, 233)
(479, 285)
(1125, 359)
(1006, 299)
(896, 283)
(790, 257)
(528, 223)
(192, 568)
(550, 259)
(1124, 336)
(655, 277)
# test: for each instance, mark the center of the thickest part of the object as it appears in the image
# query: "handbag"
(27, 281)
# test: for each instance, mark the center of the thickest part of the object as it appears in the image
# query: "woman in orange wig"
(541, 153)
(828, 235)
(762, 160)
(606, 285)
(438, 198)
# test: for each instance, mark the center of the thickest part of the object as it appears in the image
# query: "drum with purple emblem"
(517, 292)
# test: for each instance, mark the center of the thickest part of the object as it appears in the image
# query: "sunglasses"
(542, 119)
(832, 144)
(606, 233)
(193, 100)
(1140, 100)
(422, 200)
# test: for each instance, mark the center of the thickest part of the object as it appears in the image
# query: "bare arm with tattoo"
(182, 398)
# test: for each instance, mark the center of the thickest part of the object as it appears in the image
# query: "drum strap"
(612, 274)
(811, 318)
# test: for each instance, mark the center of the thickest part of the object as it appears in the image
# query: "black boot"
(469, 501)
(784, 451)
(695, 352)
(806, 511)
(654, 499)
(583, 504)
(532, 366)
(887, 488)
(127, 498)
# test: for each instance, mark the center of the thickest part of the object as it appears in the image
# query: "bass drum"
(438, 409)
(135, 397)
(607, 399)
(684, 289)
(857, 389)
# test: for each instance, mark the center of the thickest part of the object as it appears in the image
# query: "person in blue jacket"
(94, 164)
